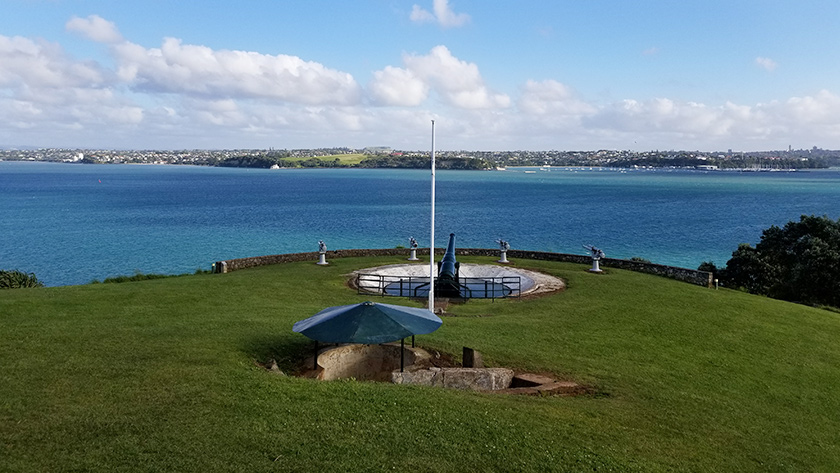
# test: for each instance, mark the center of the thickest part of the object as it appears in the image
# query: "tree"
(799, 262)
(709, 267)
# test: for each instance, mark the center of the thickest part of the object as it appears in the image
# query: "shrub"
(14, 279)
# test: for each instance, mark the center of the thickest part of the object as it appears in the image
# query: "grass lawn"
(163, 375)
(348, 159)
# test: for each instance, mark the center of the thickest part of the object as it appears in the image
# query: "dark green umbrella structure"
(367, 323)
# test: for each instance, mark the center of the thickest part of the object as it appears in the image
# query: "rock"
(272, 367)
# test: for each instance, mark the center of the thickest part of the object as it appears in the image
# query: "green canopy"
(367, 323)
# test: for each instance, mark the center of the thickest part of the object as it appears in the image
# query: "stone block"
(472, 358)
(478, 379)
(421, 377)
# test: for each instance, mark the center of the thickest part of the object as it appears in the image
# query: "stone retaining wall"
(700, 278)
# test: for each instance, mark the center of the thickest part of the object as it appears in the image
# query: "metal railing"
(499, 287)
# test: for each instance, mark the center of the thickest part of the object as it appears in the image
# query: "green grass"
(162, 375)
(348, 159)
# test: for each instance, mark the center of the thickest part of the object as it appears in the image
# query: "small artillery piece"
(504, 246)
(322, 253)
(596, 255)
(412, 243)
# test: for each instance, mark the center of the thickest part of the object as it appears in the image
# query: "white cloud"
(663, 115)
(822, 109)
(421, 15)
(181, 95)
(550, 97)
(443, 14)
(96, 29)
(396, 86)
(39, 64)
(190, 69)
(766, 63)
(457, 82)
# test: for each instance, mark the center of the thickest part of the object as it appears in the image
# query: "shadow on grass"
(286, 350)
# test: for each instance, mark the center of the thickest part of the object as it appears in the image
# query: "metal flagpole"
(432, 244)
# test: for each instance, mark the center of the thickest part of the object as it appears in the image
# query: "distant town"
(385, 157)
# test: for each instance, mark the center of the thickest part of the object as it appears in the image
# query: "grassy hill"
(164, 375)
(347, 159)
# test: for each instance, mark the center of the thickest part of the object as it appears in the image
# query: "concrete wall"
(476, 379)
(700, 278)
(364, 362)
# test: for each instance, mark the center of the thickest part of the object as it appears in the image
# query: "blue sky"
(494, 75)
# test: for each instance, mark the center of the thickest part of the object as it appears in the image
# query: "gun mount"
(450, 282)
(596, 255)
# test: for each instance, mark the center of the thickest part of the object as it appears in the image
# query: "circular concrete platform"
(531, 282)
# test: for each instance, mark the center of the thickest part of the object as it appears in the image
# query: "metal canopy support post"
(402, 354)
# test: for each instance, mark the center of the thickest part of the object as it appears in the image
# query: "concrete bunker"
(382, 363)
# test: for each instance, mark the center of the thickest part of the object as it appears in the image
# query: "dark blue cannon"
(450, 284)
(447, 282)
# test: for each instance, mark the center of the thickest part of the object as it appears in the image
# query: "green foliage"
(424, 162)
(252, 161)
(14, 279)
(138, 276)
(799, 262)
(708, 266)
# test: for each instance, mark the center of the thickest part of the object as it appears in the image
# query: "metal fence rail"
(498, 287)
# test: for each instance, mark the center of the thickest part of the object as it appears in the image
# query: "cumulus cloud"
(823, 109)
(457, 82)
(550, 97)
(96, 29)
(39, 64)
(766, 64)
(183, 68)
(665, 115)
(441, 13)
(396, 86)
(182, 95)
(421, 15)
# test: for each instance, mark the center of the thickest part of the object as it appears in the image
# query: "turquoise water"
(70, 223)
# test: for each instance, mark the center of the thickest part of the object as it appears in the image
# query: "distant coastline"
(386, 158)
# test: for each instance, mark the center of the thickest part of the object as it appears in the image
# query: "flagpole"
(432, 244)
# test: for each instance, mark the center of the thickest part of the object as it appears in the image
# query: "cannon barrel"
(448, 265)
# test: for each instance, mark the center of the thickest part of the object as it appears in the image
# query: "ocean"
(74, 223)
